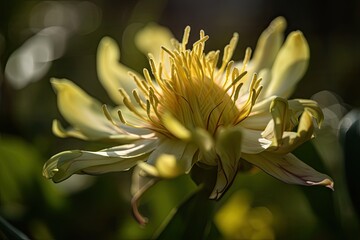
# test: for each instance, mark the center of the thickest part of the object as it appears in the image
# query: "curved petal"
(83, 112)
(151, 38)
(279, 109)
(289, 169)
(265, 76)
(297, 106)
(289, 141)
(139, 185)
(285, 118)
(62, 165)
(112, 74)
(228, 149)
(60, 131)
(133, 134)
(266, 50)
(289, 66)
(170, 159)
(268, 45)
(253, 141)
(259, 116)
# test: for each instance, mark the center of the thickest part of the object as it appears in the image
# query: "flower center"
(189, 86)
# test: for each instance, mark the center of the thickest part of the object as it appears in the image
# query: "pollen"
(194, 88)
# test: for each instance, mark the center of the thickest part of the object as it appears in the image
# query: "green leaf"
(191, 220)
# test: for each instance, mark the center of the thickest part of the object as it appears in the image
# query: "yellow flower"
(192, 108)
(236, 219)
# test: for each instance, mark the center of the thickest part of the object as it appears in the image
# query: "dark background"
(332, 29)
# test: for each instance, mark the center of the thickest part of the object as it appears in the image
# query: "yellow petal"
(83, 112)
(170, 159)
(168, 167)
(268, 45)
(112, 74)
(298, 106)
(289, 66)
(280, 111)
(60, 131)
(291, 140)
(175, 127)
(151, 38)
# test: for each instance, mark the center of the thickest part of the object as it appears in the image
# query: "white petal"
(260, 115)
(228, 149)
(253, 142)
(289, 169)
(121, 158)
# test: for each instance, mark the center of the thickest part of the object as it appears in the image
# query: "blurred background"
(44, 39)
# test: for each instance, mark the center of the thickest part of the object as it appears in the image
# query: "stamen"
(147, 76)
(124, 93)
(227, 72)
(121, 117)
(139, 83)
(108, 115)
(201, 40)
(152, 64)
(237, 79)
(228, 52)
(168, 51)
(138, 100)
(202, 33)
(246, 58)
(185, 38)
(237, 91)
(132, 108)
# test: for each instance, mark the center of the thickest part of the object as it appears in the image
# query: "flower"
(190, 110)
(237, 219)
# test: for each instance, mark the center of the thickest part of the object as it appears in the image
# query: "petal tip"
(326, 182)
(279, 24)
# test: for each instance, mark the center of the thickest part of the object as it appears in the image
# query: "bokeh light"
(44, 39)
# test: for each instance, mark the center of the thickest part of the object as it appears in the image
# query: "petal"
(60, 131)
(260, 115)
(268, 45)
(266, 50)
(291, 140)
(228, 148)
(62, 165)
(175, 127)
(134, 134)
(170, 159)
(112, 74)
(253, 142)
(297, 106)
(83, 112)
(289, 169)
(151, 38)
(139, 185)
(265, 76)
(289, 66)
(279, 109)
